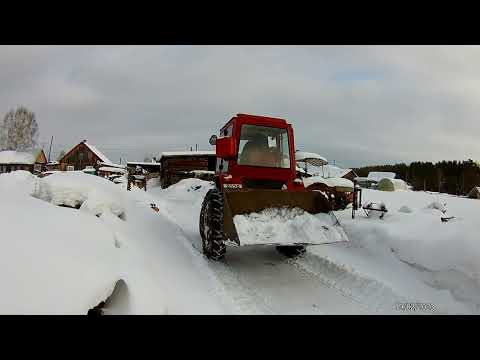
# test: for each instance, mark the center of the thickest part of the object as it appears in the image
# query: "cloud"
(357, 105)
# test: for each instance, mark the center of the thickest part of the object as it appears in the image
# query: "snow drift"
(79, 190)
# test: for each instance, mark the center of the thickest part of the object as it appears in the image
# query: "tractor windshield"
(264, 146)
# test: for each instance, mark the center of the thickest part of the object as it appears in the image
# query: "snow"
(379, 175)
(325, 171)
(66, 261)
(58, 260)
(97, 152)
(93, 194)
(16, 157)
(140, 163)
(334, 171)
(285, 227)
(412, 252)
(312, 158)
(186, 153)
(112, 169)
(331, 182)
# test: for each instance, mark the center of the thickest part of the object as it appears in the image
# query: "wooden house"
(81, 156)
(176, 166)
(33, 161)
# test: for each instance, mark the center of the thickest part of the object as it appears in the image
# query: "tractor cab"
(256, 152)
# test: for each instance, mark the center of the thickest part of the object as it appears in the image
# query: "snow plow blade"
(275, 217)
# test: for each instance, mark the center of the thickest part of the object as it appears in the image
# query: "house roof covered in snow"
(379, 175)
(97, 152)
(103, 158)
(334, 171)
(17, 157)
(186, 153)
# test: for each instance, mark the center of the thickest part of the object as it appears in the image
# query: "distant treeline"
(452, 177)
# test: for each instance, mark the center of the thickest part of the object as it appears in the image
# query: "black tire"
(211, 225)
(291, 251)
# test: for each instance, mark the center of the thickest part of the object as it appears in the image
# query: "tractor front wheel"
(211, 225)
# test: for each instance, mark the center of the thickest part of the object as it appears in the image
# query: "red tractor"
(255, 170)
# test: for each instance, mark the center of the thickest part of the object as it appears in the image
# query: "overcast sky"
(356, 105)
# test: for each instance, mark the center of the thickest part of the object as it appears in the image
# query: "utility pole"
(50, 150)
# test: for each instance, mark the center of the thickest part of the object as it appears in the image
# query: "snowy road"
(258, 278)
(275, 285)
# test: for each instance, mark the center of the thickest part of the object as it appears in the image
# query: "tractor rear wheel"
(211, 225)
(291, 251)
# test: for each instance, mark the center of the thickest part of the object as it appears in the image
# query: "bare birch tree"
(19, 130)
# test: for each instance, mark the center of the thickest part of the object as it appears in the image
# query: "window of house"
(70, 168)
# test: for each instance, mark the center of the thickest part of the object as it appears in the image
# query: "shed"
(179, 165)
(33, 161)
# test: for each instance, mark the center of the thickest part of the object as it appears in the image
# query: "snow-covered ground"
(58, 259)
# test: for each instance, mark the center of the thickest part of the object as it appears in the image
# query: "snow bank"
(67, 261)
(286, 226)
(405, 209)
(54, 260)
(420, 241)
(87, 192)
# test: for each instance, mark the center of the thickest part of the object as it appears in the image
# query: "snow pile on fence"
(79, 190)
(287, 226)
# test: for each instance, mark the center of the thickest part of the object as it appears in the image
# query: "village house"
(179, 165)
(33, 161)
(83, 156)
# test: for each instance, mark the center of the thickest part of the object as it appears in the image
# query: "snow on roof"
(113, 165)
(97, 152)
(17, 157)
(142, 163)
(187, 153)
(111, 169)
(53, 163)
(334, 171)
(310, 158)
(325, 170)
(379, 175)
(331, 182)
